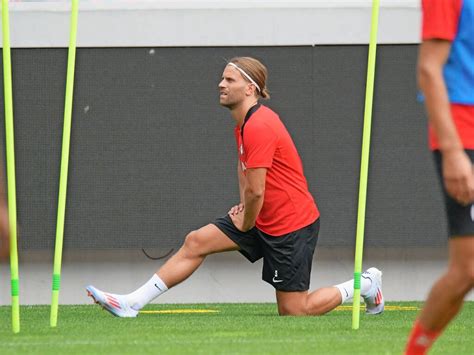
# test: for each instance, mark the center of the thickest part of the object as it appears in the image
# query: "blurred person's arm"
(4, 230)
(457, 167)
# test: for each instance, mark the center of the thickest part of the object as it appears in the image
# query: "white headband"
(246, 75)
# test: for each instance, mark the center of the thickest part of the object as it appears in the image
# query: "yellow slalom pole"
(58, 251)
(10, 150)
(364, 165)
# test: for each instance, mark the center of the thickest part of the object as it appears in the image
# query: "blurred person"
(446, 78)
(276, 219)
(4, 229)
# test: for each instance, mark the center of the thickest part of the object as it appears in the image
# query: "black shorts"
(460, 217)
(287, 259)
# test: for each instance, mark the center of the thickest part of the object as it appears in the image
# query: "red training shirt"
(288, 205)
(440, 21)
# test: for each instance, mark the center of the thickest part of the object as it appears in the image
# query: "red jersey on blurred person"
(454, 21)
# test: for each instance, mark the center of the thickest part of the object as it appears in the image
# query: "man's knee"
(194, 244)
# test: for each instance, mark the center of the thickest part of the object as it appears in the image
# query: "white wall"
(212, 23)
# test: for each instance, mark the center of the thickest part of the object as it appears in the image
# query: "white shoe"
(374, 302)
(115, 304)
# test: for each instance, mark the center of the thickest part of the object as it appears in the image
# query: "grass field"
(233, 329)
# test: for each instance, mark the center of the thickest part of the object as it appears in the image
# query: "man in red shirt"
(446, 77)
(276, 219)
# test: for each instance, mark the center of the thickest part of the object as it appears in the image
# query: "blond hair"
(256, 70)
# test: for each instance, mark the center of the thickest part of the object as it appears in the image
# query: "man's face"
(233, 88)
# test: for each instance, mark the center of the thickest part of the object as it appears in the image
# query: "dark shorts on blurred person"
(460, 217)
(287, 259)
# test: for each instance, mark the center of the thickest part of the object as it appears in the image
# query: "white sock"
(147, 293)
(347, 288)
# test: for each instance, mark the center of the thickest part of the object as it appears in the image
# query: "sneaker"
(374, 302)
(115, 304)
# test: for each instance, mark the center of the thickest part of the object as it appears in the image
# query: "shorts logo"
(472, 213)
(275, 278)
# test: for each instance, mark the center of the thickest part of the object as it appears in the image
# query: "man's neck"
(239, 112)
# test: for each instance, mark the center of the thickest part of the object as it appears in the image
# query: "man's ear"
(251, 90)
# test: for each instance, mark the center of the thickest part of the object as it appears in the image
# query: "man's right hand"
(458, 176)
(236, 209)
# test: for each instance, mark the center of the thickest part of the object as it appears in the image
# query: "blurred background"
(153, 153)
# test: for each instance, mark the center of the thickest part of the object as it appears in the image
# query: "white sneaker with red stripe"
(374, 302)
(115, 304)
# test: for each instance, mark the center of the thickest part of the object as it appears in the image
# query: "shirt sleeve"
(440, 19)
(260, 144)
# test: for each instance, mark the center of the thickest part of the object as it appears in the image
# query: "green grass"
(236, 329)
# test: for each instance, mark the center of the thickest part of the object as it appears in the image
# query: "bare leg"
(323, 300)
(315, 303)
(447, 295)
(197, 245)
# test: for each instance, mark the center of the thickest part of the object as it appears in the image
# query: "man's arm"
(254, 192)
(432, 57)
(252, 195)
(457, 167)
(241, 178)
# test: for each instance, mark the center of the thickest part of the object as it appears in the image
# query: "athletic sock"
(145, 294)
(347, 288)
(420, 340)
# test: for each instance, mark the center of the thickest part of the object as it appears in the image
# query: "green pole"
(364, 165)
(10, 150)
(64, 165)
